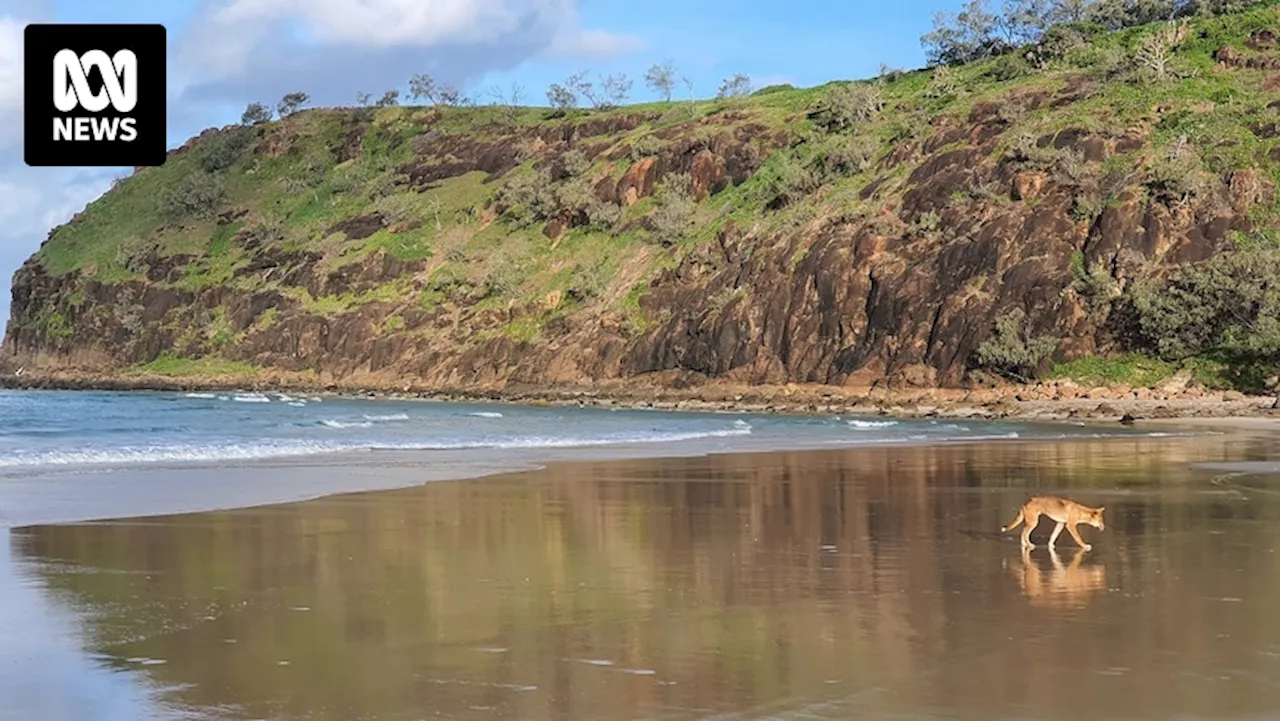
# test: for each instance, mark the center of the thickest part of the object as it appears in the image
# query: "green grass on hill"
(167, 365)
(288, 191)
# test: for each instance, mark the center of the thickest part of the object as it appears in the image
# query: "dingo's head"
(1095, 518)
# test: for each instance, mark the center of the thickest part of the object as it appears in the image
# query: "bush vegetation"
(1012, 352)
(195, 195)
(673, 217)
(1226, 307)
(223, 150)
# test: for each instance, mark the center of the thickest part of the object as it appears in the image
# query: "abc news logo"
(71, 91)
(94, 95)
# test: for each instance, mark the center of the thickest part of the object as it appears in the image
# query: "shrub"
(1102, 62)
(134, 254)
(312, 170)
(291, 103)
(845, 106)
(1155, 53)
(737, 86)
(500, 280)
(1086, 206)
(1178, 175)
(843, 157)
(1096, 286)
(1008, 67)
(1072, 169)
(527, 198)
(792, 174)
(560, 97)
(927, 224)
(575, 163)
(771, 89)
(194, 195)
(644, 146)
(676, 208)
(785, 180)
(576, 199)
(255, 113)
(588, 282)
(1059, 42)
(1025, 150)
(1228, 306)
(1011, 352)
(222, 150)
(943, 84)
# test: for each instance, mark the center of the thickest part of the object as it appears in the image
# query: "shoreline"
(1061, 400)
(304, 479)
(47, 495)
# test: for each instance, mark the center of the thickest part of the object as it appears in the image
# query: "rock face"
(952, 232)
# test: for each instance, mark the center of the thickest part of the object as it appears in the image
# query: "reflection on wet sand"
(834, 585)
(1060, 585)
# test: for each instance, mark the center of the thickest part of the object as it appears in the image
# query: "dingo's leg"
(1057, 531)
(1032, 521)
(1071, 528)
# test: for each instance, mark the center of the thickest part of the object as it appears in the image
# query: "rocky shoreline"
(1059, 400)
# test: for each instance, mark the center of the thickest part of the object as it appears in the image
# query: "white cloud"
(333, 49)
(400, 22)
(595, 44)
(10, 65)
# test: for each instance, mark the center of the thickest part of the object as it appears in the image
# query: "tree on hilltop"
(561, 97)
(977, 32)
(737, 86)
(661, 79)
(291, 103)
(255, 113)
(422, 87)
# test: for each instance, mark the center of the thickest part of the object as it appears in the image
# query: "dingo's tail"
(1013, 524)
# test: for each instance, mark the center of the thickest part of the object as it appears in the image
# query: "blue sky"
(227, 53)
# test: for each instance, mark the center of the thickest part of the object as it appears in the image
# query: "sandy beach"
(867, 583)
(1269, 425)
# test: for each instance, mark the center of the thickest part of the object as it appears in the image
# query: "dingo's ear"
(1101, 509)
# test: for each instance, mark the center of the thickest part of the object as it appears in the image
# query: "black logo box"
(42, 42)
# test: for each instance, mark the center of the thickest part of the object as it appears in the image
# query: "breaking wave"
(212, 452)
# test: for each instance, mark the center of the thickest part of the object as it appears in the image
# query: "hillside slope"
(934, 228)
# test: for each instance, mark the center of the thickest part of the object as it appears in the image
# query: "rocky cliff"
(933, 228)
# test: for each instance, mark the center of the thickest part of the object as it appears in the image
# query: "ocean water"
(52, 429)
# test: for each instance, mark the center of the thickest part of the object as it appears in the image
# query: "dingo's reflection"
(1060, 586)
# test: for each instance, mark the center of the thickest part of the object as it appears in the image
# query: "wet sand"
(868, 583)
